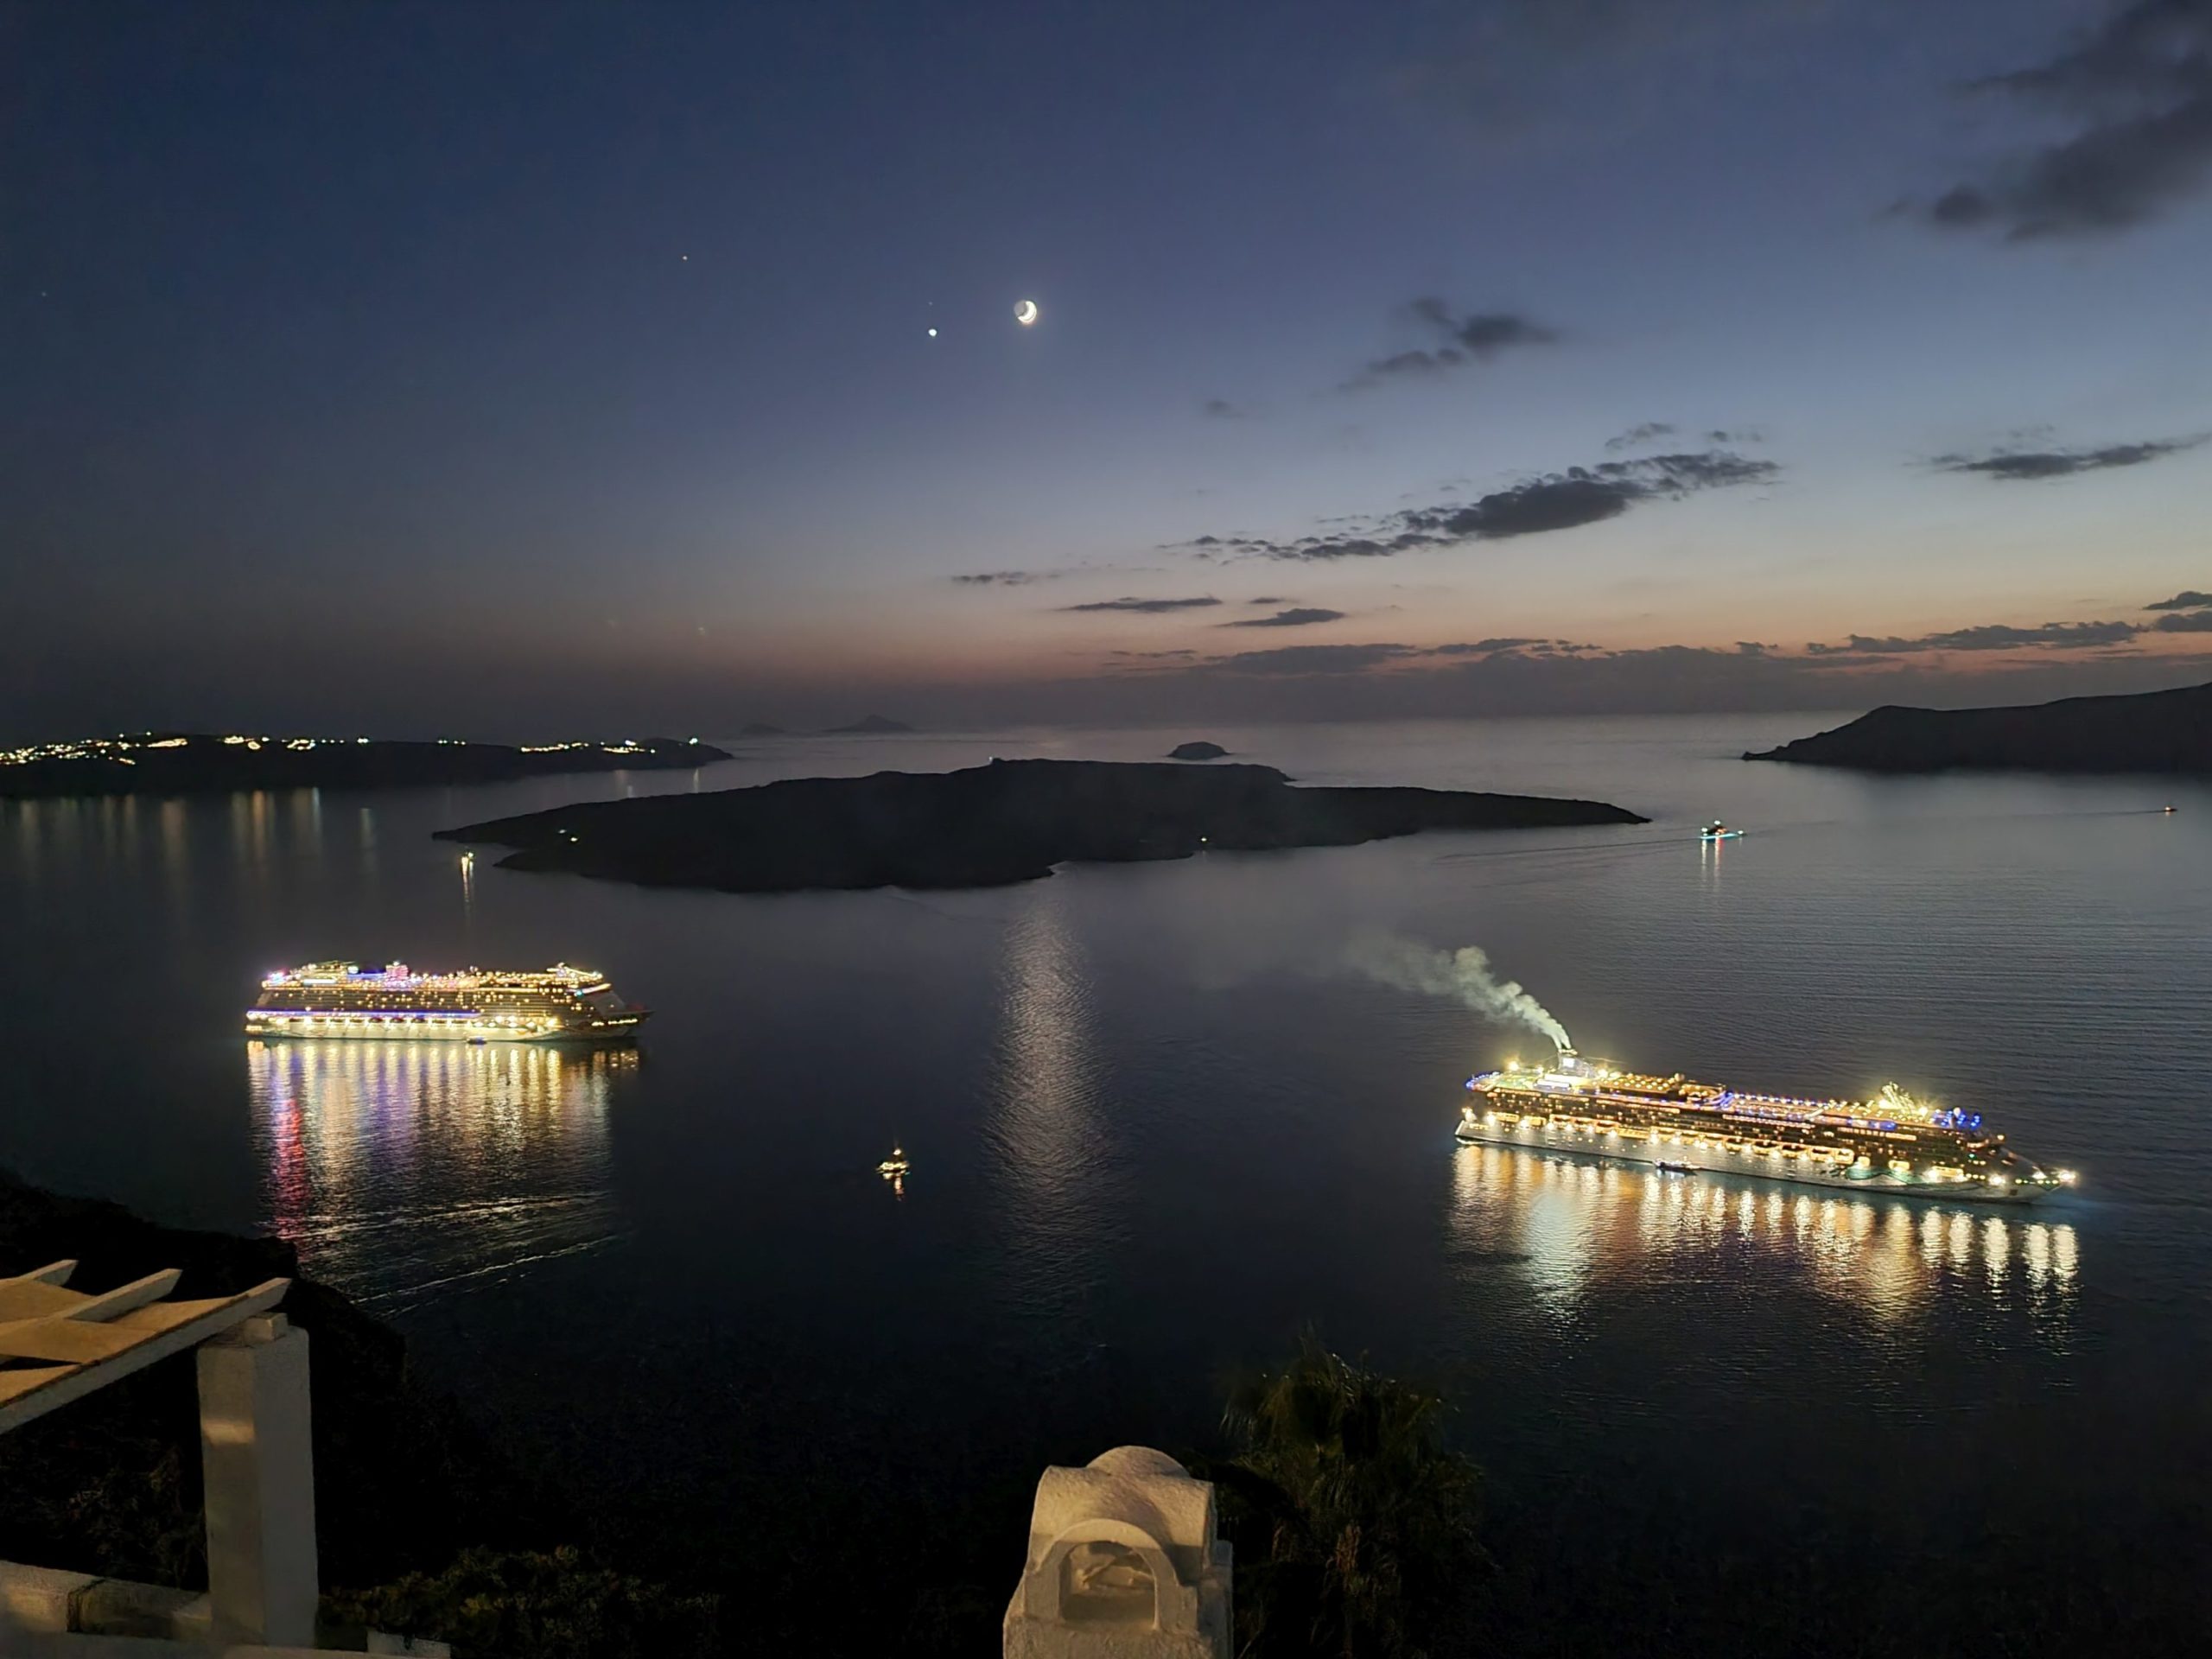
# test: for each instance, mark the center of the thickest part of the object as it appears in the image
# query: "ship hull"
(1599, 1148)
(435, 1031)
(419, 1034)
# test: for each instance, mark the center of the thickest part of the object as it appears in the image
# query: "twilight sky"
(507, 370)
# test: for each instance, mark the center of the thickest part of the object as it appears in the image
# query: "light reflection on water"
(406, 1171)
(1570, 1224)
(1045, 1132)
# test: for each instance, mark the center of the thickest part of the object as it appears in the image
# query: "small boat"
(893, 1167)
(2166, 808)
(1673, 1169)
(1717, 832)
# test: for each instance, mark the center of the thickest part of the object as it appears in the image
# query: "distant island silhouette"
(185, 763)
(2149, 731)
(869, 726)
(986, 826)
(1199, 750)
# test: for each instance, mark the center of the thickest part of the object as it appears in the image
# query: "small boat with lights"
(558, 1004)
(1719, 831)
(1891, 1143)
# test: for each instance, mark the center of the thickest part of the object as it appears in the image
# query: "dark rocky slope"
(2152, 731)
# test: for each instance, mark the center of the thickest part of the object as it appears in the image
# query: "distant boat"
(1717, 832)
(2166, 808)
(893, 1167)
(1673, 1169)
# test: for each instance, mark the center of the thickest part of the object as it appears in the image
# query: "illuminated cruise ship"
(1891, 1143)
(559, 1004)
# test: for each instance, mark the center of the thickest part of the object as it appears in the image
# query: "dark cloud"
(1677, 676)
(1274, 599)
(1482, 334)
(2136, 92)
(2022, 465)
(1403, 363)
(2189, 599)
(1220, 409)
(1145, 606)
(1009, 578)
(1477, 337)
(1588, 495)
(1529, 509)
(1153, 656)
(1348, 547)
(1579, 496)
(1483, 650)
(2051, 636)
(1302, 618)
(1311, 660)
(1642, 432)
(1675, 476)
(1483, 647)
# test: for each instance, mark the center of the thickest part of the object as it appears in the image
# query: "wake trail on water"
(1464, 973)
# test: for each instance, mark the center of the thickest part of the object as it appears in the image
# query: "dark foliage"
(536, 1605)
(1354, 1523)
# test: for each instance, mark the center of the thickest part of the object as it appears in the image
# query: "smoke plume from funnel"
(1464, 973)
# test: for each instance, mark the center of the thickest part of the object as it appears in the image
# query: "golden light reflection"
(1570, 1224)
(405, 1171)
(251, 815)
(27, 829)
(1045, 1133)
(175, 830)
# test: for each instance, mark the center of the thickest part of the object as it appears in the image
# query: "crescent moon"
(1025, 313)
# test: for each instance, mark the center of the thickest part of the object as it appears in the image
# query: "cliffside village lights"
(121, 748)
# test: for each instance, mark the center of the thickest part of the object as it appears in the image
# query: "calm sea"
(1156, 1126)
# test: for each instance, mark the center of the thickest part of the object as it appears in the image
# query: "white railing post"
(257, 1459)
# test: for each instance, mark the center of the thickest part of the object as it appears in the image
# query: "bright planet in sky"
(1025, 313)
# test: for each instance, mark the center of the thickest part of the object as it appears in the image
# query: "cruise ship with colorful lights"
(558, 1004)
(1891, 1143)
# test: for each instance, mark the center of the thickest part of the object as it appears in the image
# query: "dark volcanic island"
(183, 763)
(2152, 731)
(988, 826)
